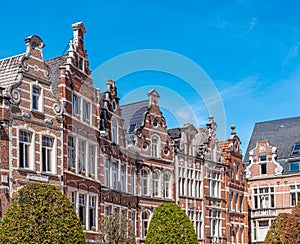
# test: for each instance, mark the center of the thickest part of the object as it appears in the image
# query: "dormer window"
(263, 157)
(131, 128)
(295, 166)
(296, 149)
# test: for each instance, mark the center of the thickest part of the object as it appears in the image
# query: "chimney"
(78, 37)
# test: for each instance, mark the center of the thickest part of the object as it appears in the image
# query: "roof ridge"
(58, 57)
(268, 121)
(14, 56)
(133, 103)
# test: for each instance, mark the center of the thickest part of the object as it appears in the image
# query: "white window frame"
(145, 182)
(107, 170)
(92, 162)
(76, 105)
(72, 152)
(53, 155)
(123, 177)
(40, 97)
(156, 178)
(155, 146)
(145, 222)
(31, 149)
(86, 111)
(295, 190)
(133, 179)
(75, 198)
(167, 185)
(263, 196)
(82, 156)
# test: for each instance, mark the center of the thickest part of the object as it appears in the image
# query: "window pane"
(294, 166)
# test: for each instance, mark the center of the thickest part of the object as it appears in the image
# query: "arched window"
(156, 184)
(167, 185)
(155, 146)
(145, 222)
(114, 131)
(145, 182)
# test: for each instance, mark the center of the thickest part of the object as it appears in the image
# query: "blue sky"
(249, 49)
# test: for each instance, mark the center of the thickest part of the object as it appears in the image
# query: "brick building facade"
(58, 128)
(273, 172)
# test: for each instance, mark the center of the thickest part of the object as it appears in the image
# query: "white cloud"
(253, 23)
(246, 86)
(292, 53)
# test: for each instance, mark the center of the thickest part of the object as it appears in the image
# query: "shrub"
(40, 213)
(115, 228)
(170, 224)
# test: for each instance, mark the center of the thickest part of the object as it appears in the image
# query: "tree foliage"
(170, 224)
(40, 213)
(277, 229)
(116, 229)
(285, 228)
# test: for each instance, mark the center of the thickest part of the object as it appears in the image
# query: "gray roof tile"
(9, 68)
(133, 113)
(282, 133)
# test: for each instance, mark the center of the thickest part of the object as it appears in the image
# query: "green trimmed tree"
(116, 229)
(170, 224)
(40, 213)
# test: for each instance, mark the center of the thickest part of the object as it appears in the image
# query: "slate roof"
(282, 133)
(133, 113)
(174, 133)
(9, 68)
(54, 65)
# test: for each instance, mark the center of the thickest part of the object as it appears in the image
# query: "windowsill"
(48, 173)
(27, 170)
(38, 112)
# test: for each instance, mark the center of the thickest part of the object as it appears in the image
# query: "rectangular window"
(295, 194)
(92, 160)
(107, 210)
(71, 152)
(264, 198)
(132, 181)
(24, 149)
(263, 169)
(36, 92)
(82, 156)
(86, 111)
(76, 105)
(296, 149)
(123, 178)
(131, 128)
(74, 199)
(82, 208)
(92, 212)
(263, 157)
(133, 222)
(115, 171)
(47, 147)
(80, 63)
(107, 173)
(241, 203)
(295, 166)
